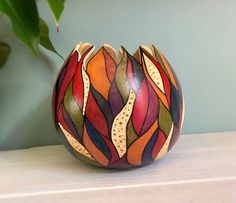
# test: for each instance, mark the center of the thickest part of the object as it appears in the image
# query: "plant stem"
(6, 35)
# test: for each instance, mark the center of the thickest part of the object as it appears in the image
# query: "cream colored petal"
(81, 48)
(86, 89)
(84, 47)
(147, 49)
(118, 130)
(154, 73)
(164, 148)
(88, 57)
(77, 47)
(75, 144)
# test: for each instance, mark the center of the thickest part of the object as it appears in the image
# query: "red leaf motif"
(130, 75)
(153, 109)
(159, 143)
(72, 65)
(110, 65)
(78, 85)
(95, 116)
(140, 107)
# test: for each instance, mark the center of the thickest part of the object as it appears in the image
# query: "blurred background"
(197, 37)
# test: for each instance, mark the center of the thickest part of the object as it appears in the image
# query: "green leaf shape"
(57, 6)
(165, 119)
(44, 37)
(74, 110)
(121, 79)
(131, 134)
(4, 53)
(25, 20)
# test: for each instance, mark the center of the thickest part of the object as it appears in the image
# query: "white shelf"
(200, 168)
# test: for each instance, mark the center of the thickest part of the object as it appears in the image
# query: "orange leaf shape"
(135, 151)
(97, 72)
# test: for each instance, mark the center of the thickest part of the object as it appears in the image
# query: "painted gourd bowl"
(117, 110)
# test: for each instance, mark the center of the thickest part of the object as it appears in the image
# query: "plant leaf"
(25, 20)
(4, 53)
(44, 37)
(57, 6)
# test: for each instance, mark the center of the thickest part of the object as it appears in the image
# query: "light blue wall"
(198, 38)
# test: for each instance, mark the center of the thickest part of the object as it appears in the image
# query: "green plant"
(27, 25)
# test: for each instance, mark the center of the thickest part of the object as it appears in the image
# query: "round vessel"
(117, 110)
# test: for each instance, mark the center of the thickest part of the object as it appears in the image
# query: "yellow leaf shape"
(75, 144)
(166, 64)
(86, 89)
(154, 73)
(157, 87)
(118, 130)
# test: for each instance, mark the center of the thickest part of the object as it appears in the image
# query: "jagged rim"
(117, 55)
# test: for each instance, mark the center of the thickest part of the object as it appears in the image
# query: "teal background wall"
(197, 37)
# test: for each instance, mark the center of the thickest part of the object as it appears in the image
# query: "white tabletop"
(200, 168)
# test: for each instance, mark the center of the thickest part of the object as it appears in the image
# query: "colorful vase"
(117, 110)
